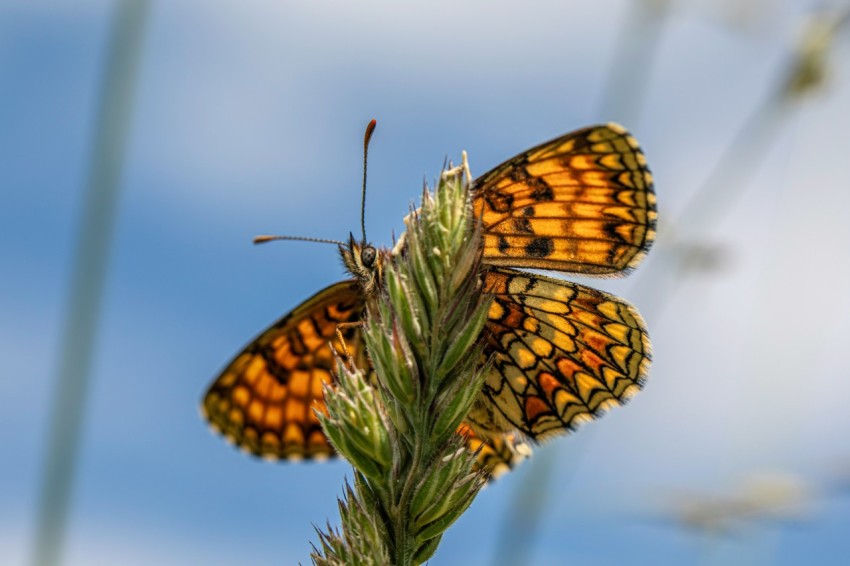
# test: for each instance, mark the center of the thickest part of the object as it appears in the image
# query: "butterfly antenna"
(370, 128)
(264, 239)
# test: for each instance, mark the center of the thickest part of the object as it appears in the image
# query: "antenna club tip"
(263, 239)
(370, 128)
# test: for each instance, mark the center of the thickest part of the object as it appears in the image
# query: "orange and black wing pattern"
(264, 400)
(496, 454)
(562, 354)
(581, 203)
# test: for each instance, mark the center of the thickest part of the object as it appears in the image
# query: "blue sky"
(249, 120)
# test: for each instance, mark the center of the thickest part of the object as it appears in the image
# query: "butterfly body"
(561, 353)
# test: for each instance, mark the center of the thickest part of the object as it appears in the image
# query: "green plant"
(413, 475)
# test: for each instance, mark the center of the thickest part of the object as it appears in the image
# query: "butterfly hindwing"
(562, 354)
(264, 399)
(581, 203)
(496, 453)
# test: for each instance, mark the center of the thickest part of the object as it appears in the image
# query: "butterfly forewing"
(562, 354)
(581, 203)
(264, 400)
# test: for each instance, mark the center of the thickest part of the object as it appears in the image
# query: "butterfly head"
(364, 261)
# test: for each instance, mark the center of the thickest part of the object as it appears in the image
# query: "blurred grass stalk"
(804, 74)
(88, 279)
(413, 475)
(634, 57)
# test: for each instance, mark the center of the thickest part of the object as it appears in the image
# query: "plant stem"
(402, 504)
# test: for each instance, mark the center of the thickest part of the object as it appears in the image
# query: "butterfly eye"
(368, 255)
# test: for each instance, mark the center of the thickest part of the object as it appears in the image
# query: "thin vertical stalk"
(88, 279)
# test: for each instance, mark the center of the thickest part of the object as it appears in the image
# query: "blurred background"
(144, 143)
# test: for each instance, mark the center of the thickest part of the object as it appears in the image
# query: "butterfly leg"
(344, 326)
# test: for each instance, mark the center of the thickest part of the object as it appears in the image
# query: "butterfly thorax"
(365, 262)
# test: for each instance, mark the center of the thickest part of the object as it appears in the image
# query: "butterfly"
(561, 353)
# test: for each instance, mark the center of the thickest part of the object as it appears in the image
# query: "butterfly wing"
(497, 454)
(264, 399)
(582, 203)
(562, 354)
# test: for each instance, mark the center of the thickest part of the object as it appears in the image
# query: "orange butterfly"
(562, 353)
